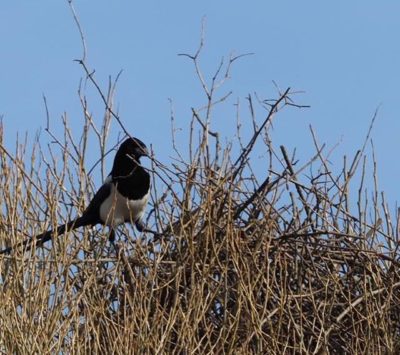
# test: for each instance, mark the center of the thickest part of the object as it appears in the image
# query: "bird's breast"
(117, 209)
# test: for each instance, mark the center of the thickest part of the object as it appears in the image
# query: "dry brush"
(298, 259)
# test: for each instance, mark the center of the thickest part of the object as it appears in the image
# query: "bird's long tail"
(44, 237)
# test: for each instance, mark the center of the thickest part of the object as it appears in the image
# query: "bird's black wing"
(92, 212)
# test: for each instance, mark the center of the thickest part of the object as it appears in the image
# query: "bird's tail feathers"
(42, 238)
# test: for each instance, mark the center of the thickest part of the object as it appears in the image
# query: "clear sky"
(344, 55)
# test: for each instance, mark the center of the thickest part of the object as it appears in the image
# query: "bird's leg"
(111, 236)
(141, 227)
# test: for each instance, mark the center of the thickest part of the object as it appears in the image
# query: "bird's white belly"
(117, 209)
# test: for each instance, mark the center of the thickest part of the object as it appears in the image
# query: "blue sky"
(344, 55)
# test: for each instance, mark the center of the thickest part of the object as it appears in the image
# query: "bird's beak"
(146, 152)
(142, 152)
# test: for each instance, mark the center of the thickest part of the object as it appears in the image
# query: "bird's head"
(128, 156)
(134, 148)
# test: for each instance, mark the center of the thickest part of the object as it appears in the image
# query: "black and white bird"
(122, 198)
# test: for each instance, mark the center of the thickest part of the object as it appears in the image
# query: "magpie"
(122, 198)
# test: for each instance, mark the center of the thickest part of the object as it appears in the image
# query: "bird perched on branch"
(122, 198)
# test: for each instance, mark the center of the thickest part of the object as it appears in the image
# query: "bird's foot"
(140, 226)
